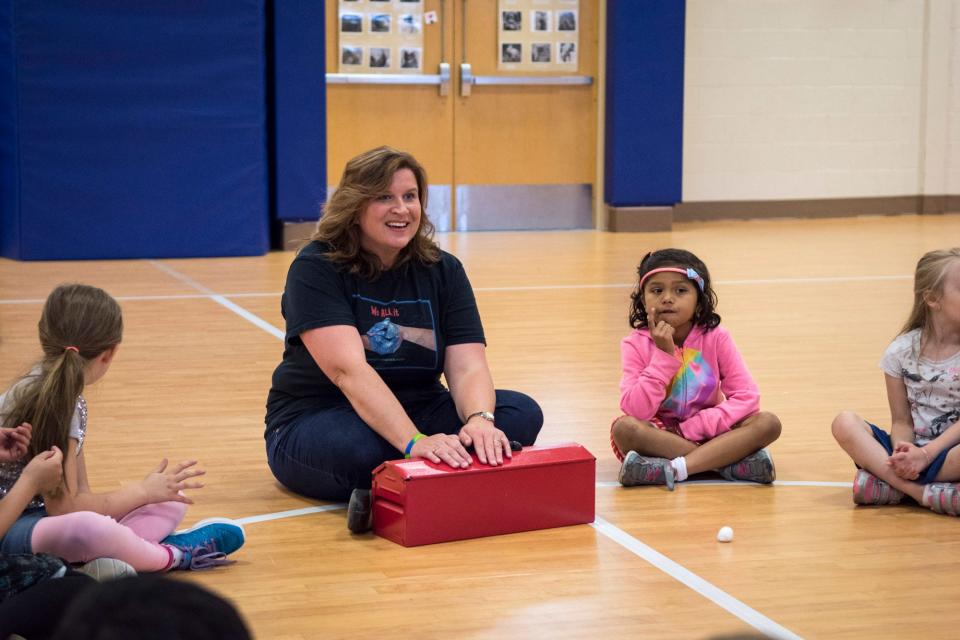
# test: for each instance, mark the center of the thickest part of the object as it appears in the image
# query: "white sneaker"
(104, 569)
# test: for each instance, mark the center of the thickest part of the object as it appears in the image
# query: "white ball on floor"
(725, 534)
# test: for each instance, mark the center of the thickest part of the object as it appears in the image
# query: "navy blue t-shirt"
(435, 302)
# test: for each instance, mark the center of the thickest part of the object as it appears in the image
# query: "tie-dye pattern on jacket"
(699, 391)
(695, 387)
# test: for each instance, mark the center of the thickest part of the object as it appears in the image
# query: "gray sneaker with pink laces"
(756, 467)
(869, 489)
(942, 497)
(642, 470)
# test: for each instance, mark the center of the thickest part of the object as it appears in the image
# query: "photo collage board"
(538, 35)
(381, 36)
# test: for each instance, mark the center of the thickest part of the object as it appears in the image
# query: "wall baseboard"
(295, 234)
(940, 204)
(639, 218)
(662, 218)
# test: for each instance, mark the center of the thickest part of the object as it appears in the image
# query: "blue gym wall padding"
(299, 149)
(132, 129)
(644, 102)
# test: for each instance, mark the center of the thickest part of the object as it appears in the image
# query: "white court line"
(827, 279)
(716, 595)
(273, 294)
(293, 513)
(185, 279)
(334, 507)
(171, 296)
(811, 483)
(727, 483)
(256, 294)
(250, 317)
(553, 287)
(830, 279)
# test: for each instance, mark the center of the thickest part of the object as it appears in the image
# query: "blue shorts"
(18, 538)
(927, 475)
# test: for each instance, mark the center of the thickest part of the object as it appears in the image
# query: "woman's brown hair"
(365, 177)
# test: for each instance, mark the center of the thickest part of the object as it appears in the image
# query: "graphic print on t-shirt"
(397, 334)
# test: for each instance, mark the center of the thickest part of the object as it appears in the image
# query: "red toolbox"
(418, 502)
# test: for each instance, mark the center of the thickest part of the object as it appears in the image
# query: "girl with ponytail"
(80, 332)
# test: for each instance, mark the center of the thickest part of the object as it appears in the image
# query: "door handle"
(468, 80)
(441, 78)
(444, 78)
(533, 80)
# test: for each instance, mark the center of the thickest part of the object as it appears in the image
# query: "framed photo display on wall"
(380, 36)
(538, 35)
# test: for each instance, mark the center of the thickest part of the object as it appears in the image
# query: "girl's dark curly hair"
(704, 315)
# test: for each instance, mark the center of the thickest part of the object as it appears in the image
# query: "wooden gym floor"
(812, 305)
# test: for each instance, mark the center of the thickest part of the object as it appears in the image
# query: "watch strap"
(486, 415)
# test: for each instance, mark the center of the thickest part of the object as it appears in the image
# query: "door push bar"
(467, 80)
(442, 79)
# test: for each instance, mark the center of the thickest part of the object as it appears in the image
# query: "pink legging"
(84, 535)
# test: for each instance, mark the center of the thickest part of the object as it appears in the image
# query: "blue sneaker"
(207, 543)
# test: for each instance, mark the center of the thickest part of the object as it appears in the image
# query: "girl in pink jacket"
(689, 401)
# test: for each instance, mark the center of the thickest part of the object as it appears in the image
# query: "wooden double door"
(503, 149)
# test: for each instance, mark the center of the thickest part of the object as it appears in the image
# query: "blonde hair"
(78, 323)
(927, 281)
(365, 177)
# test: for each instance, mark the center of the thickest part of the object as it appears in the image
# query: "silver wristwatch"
(486, 415)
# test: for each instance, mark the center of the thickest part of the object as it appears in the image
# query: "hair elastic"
(71, 348)
(689, 272)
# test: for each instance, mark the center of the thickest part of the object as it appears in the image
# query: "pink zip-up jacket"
(701, 390)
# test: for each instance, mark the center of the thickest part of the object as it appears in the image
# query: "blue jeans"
(326, 454)
(19, 535)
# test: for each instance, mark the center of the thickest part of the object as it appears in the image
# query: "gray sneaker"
(643, 470)
(756, 467)
(942, 497)
(104, 569)
(869, 489)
